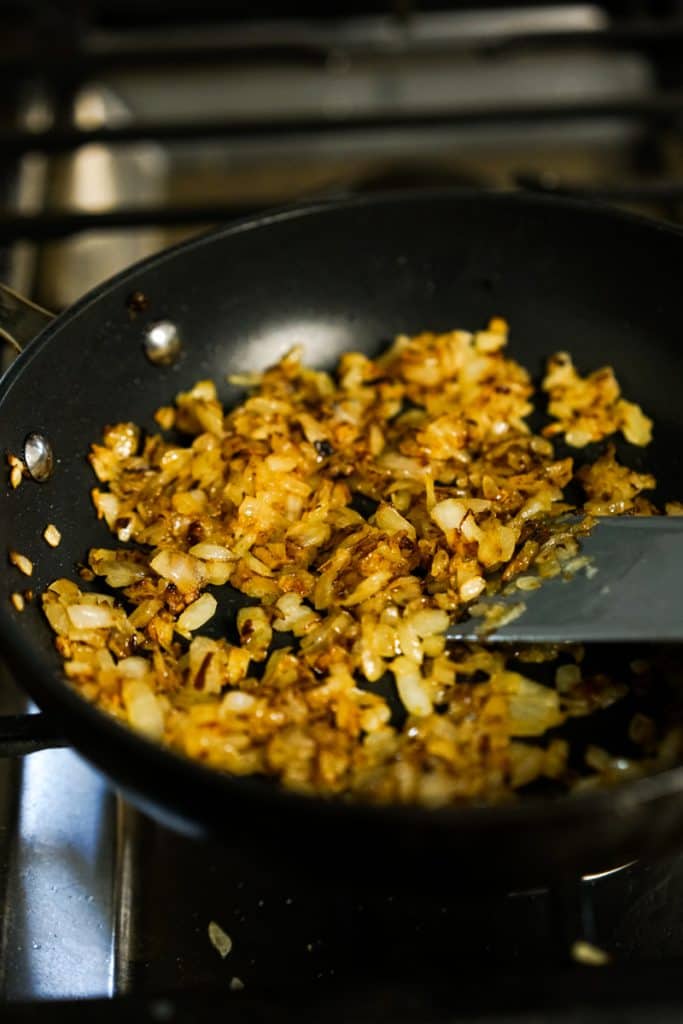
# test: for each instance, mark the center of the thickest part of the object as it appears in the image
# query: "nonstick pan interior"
(344, 276)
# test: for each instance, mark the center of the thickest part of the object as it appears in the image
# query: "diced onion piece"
(471, 530)
(133, 668)
(21, 562)
(210, 416)
(411, 686)
(219, 939)
(122, 438)
(55, 613)
(372, 664)
(567, 676)
(90, 616)
(472, 588)
(430, 621)
(185, 571)
(636, 426)
(197, 613)
(448, 514)
(255, 630)
(434, 645)
(211, 552)
(107, 506)
(281, 463)
(165, 416)
(88, 598)
(289, 606)
(238, 701)
(17, 468)
(401, 466)
(123, 574)
(489, 341)
(533, 708)
(409, 640)
(218, 573)
(369, 586)
(390, 519)
(309, 533)
(586, 953)
(245, 380)
(145, 612)
(257, 566)
(497, 545)
(52, 535)
(477, 504)
(144, 710)
(18, 601)
(527, 583)
(578, 438)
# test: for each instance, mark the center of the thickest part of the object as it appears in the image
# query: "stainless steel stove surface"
(108, 163)
(100, 900)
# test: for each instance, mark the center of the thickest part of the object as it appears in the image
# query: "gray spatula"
(636, 594)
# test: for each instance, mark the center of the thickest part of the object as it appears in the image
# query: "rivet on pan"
(38, 457)
(162, 343)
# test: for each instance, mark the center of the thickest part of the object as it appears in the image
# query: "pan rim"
(303, 210)
(567, 808)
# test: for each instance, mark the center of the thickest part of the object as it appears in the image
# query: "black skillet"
(603, 285)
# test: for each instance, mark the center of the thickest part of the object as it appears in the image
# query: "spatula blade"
(636, 594)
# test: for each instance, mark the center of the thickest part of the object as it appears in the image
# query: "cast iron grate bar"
(49, 226)
(43, 227)
(619, 192)
(312, 44)
(664, 107)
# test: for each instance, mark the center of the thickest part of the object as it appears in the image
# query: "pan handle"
(20, 319)
(26, 734)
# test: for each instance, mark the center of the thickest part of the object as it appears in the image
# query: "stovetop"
(96, 899)
(158, 936)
